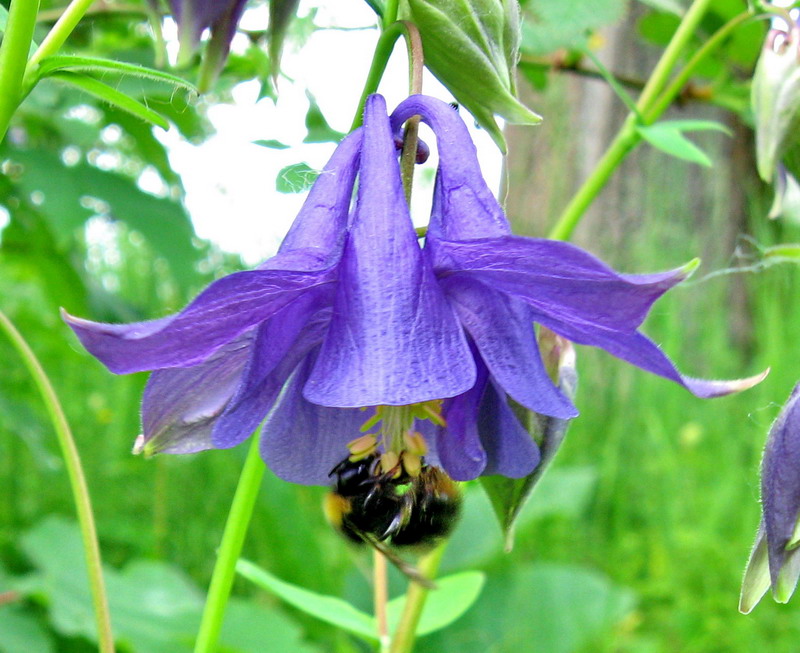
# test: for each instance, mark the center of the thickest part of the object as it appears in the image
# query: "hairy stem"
(14, 57)
(404, 635)
(230, 548)
(80, 491)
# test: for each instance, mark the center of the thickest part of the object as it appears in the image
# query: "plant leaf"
(453, 596)
(509, 495)
(471, 46)
(110, 95)
(330, 609)
(668, 137)
(319, 131)
(295, 178)
(58, 62)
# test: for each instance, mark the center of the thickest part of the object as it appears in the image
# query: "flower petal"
(225, 309)
(282, 342)
(557, 279)
(639, 350)
(502, 329)
(301, 442)
(780, 493)
(458, 444)
(180, 406)
(317, 233)
(510, 449)
(463, 205)
(393, 338)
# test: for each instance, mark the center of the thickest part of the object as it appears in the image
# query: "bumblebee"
(392, 508)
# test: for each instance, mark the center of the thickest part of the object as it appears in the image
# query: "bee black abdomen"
(430, 521)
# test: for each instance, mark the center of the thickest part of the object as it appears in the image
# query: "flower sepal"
(509, 495)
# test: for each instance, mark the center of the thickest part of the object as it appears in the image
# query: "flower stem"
(60, 32)
(404, 635)
(231, 546)
(380, 588)
(415, 65)
(14, 57)
(628, 137)
(80, 491)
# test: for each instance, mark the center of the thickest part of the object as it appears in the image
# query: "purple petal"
(180, 406)
(502, 329)
(301, 442)
(319, 229)
(282, 342)
(557, 279)
(393, 338)
(458, 444)
(639, 350)
(224, 310)
(463, 205)
(780, 486)
(510, 449)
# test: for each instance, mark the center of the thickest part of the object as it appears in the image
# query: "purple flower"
(352, 314)
(195, 16)
(774, 560)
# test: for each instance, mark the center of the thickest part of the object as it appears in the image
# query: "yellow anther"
(390, 463)
(415, 443)
(412, 463)
(362, 447)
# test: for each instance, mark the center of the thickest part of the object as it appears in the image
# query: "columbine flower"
(195, 16)
(352, 313)
(774, 560)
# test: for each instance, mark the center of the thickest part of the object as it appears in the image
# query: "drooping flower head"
(353, 325)
(775, 559)
(195, 16)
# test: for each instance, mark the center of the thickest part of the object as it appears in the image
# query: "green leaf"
(271, 143)
(549, 26)
(22, 632)
(319, 131)
(668, 137)
(110, 95)
(786, 251)
(509, 495)
(162, 221)
(453, 596)
(58, 62)
(666, 6)
(471, 46)
(295, 178)
(330, 609)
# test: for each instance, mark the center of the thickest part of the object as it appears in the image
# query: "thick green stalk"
(55, 38)
(383, 50)
(406, 631)
(14, 57)
(627, 137)
(230, 548)
(80, 492)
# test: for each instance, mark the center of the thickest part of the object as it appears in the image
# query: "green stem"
(627, 137)
(80, 492)
(383, 50)
(405, 633)
(390, 13)
(676, 85)
(14, 57)
(55, 38)
(230, 548)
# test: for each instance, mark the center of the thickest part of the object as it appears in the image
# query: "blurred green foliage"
(634, 541)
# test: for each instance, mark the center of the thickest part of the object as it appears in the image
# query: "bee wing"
(405, 567)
